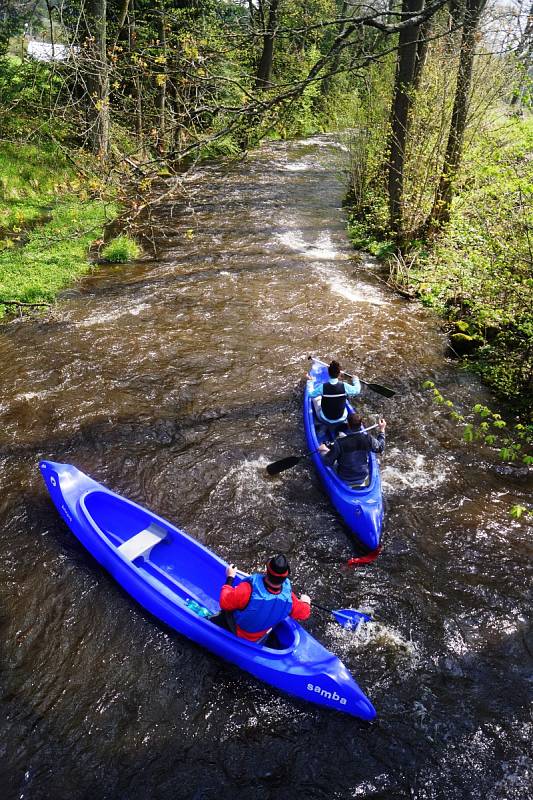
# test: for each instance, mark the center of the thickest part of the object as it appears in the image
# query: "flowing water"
(175, 381)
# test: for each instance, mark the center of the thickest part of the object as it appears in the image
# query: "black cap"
(278, 569)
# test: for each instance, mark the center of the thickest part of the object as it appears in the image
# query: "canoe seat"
(142, 542)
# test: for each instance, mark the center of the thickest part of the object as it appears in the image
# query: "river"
(174, 381)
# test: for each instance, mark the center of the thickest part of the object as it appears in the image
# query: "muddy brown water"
(175, 381)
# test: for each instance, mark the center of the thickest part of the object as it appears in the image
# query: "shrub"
(120, 250)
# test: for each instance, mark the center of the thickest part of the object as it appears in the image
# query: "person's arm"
(301, 609)
(353, 389)
(234, 598)
(378, 443)
(333, 455)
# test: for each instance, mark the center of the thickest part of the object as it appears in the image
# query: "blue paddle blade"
(349, 618)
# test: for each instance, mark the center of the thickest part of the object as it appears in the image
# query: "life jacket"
(333, 400)
(264, 609)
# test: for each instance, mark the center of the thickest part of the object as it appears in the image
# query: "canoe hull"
(104, 522)
(360, 509)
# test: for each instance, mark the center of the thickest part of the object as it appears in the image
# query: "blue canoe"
(163, 568)
(362, 508)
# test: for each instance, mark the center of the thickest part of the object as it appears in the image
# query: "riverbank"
(477, 272)
(50, 215)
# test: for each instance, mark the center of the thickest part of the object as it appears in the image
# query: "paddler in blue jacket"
(329, 399)
(350, 451)
(261, 601)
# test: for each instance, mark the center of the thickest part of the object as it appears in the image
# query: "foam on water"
(344, 642)
(243, 483)
(318, 142)
(339, 284)
(410, 470)
(299, 166)
(112, 316)
(321, 250)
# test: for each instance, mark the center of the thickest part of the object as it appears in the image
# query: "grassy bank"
(48, 220)
(478, 272)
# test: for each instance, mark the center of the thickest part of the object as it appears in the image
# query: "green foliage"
(120, 250)
(223, 147)
(478, 274)
(54, 255)
(487, 426)
(31, 178)
(518, 510)
(49, 216)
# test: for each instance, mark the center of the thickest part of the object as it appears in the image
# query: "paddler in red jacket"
(262, 600)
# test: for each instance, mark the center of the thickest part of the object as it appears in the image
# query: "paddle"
(346, 617)
(290, 461)
(375, 387)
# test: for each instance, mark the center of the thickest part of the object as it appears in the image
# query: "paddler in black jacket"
(350, 451)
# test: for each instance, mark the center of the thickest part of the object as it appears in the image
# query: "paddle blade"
(349, 618)
(379, 389)
(284, 463)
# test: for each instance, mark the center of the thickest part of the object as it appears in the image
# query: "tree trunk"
(264, 68)
(404, 84)
(440, 213)
(98, 78)
(162, 87)
(137, 79)
(524, 54)
(326, 82)
(422, 50)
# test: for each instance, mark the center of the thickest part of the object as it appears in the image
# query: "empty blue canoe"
(163, 569)
(361, 508)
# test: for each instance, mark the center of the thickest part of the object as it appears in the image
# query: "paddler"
(329, 398)
(261, 601)
(350, 451)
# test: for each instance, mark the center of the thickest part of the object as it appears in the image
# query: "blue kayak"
(174, 577)
(360, 508)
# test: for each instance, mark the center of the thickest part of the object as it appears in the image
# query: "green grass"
(54, 256)
(31, 178)
(121, 250)
(49, 217)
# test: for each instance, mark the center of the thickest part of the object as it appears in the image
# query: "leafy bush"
(120, 250)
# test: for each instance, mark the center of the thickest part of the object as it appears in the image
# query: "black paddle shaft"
(290, 461)
(375, 387)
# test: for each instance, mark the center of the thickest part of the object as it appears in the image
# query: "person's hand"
(231, 571)
(323, 448)
(382, 425)
(305, 598)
